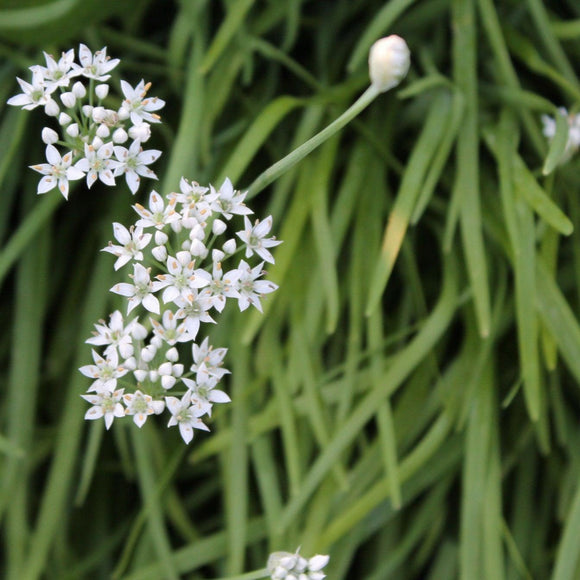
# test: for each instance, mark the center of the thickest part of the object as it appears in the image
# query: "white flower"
(95, 66)
(33, 95)
(168, 329)
(223, 286)
(208, 361)
(205, 393)
(573, 143)
(182, 277)
(229, 201)
(141, 406)
(250, 288)
(58, 171)
(105, 405)
(134, 162)
(141, 292)
(158, 214)
(116, 335)
(57, 74)
(185, 415)
(193, 308)
(283, 565)
(389, 61)
(132, 241)
(104, 372)
(97, 164)
(137, 106)
(253, 237)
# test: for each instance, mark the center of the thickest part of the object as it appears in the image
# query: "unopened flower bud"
(102, 91)
(51, 108)
(218, 227)
(140, 375)
(198, 248)
(161, 238)
(123, 114)
(97, 142)
(172, 354)
(148, 353)
(79, 90)
(159, 253)
(103, 131)
(140, 132)
(99, 114)
(389, 61)
(229, 247)
(120, 135)
(49, 136)
(73, 130)
(217, 255)
(87, 110)
(68, 100)
(64, 119)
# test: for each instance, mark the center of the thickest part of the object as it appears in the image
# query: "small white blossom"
(105, 405)
(115, 335)
(182, 277)
(251, 289)
(141, 292)
(169, 330)
(286, 566)
(104, 372)
(253, 237)
(573, 143)
(158, 214)
(185, 415)
(95, 66)
(134, 162)
(137, 106)
(194, 309)
(229, 201)
(141, 406)
(57, 172)
(132, 241)
(57, 74)
(97, 164)
(33, 94)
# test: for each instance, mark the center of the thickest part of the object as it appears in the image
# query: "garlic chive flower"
(573, 143)
(180, 280)
(91, 134)
(389, 62)
(286, 566)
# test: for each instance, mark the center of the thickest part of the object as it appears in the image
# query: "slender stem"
(280, 167)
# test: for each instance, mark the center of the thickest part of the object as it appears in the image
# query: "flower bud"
(51, 108)
(218, 227)
(64, 119)
(217, 255)
(99, 114)
(120, 135)
(87, 110)
(73, 130)
(102, 91)
(79, 90)
(148, 353)
(389, 61)
(161, 238)
(68, 100)
(140, 375)
(140, 132)
(159, 253)
(229, 247)
(103, 131)
(49, 136)
(172, 354)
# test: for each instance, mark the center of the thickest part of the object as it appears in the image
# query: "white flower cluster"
(94, 137)
(286, 566)
(573, 143)
(177, 249)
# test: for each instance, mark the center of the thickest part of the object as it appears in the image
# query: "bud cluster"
(177, 250)
(96, 142)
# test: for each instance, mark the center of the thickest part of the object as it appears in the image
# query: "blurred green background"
(408, 403)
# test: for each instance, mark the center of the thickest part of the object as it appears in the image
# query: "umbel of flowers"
(96, 142)
(185, 259)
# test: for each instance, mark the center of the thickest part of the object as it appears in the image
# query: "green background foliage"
(408, 403)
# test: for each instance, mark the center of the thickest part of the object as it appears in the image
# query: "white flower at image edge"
(287, 566)
(57, 172)
(185, 416)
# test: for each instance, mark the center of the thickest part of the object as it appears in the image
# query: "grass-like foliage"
(407, 402)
